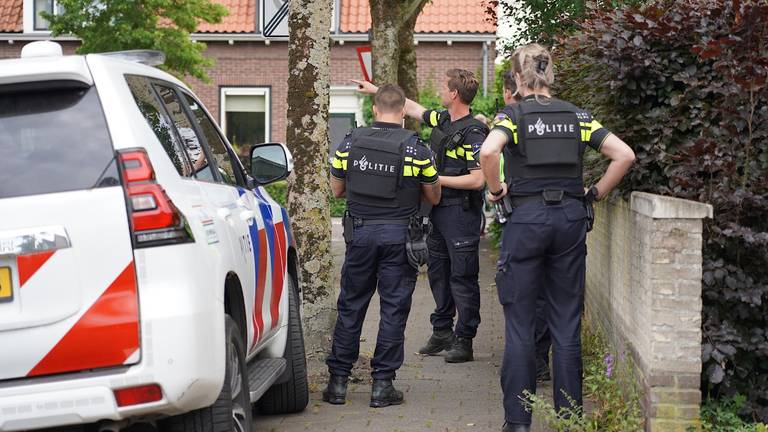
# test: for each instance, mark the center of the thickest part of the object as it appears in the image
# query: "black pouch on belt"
(349, 227)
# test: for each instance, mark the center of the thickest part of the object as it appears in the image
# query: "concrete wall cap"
(664, 207)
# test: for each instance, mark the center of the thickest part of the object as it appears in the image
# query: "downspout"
(485, 68)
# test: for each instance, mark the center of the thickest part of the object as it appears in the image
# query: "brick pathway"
(438, 396)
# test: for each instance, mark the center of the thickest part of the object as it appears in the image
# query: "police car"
(144, 276)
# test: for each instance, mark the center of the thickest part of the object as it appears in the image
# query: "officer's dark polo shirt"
(418, 169)
(462, 157)
(593, 134)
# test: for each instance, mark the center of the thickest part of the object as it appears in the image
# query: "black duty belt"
(547, 197)
(359, 222)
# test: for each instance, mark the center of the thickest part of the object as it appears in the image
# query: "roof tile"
(241, 18)
(438, 16)
(11, 17)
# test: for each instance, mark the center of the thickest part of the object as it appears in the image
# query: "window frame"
(177, 141)
(237, 167)
(30, 13)
(254, 90)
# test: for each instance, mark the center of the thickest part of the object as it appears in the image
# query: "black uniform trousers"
(543, 253)
(374, 259)
(453, 267)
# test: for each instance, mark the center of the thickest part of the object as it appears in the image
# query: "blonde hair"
(534, 64)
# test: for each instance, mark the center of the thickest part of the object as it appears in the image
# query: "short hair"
(511, 85)
(464, 82)
(390, 98)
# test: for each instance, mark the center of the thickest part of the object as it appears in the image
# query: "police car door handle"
(224, 213)
(247, 215)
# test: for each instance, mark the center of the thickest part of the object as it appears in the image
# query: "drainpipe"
(485, 68)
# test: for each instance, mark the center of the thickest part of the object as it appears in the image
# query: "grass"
(609, 381)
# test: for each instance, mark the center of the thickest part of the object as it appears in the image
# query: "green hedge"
(279, 192)
(684, 84)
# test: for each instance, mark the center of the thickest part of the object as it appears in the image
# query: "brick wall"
(256, 64)
(644, 289)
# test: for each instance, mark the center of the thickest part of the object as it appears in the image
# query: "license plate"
(6, 285)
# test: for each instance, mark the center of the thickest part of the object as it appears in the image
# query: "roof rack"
(146, 57)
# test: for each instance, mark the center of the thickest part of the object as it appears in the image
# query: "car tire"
(231, 412)
(291, 396)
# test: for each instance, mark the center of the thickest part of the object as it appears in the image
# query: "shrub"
(279, 192)
(609, 381)
(684, 83)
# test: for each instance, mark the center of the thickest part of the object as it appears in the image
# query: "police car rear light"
(138, 395)
(143, 202)
(155, 221)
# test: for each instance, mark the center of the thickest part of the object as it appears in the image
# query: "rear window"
(53, 140)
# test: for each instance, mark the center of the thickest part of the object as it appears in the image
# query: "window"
(217, 146)
(192, 144)
(340, 125)
(346, 112)
(245, 116)
(50, 6)
(53, 139)
(153, 112)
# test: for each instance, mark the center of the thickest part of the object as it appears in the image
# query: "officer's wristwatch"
(500, 191)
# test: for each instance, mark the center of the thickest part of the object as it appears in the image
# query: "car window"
(216, 144)
(192, 144)
(53, 138)
(153, 112)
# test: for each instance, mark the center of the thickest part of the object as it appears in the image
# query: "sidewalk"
(438, 396)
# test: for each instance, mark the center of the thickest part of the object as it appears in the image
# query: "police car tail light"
(155, 221)
(138, 395)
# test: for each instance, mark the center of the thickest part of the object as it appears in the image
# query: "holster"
(504, 205)
(348, 224)
(590, 214)
(416, 244)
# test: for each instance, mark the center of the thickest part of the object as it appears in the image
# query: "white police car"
(144, 277)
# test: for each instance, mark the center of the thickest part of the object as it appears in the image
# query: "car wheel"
(232, 410)
(291, 396)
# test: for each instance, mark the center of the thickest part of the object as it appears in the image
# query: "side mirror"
(270, 162)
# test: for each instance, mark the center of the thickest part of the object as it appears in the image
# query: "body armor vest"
(375, 168)
(548, 142)
(450, 138)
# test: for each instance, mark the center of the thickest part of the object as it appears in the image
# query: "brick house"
(248, 88)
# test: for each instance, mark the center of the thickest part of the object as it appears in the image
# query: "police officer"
(384, 171)
(453, 263)
(543, 246)
(543, 340)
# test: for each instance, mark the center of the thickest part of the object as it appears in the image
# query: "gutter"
(485, 69)
(254, 37)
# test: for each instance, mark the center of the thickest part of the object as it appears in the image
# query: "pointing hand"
(365, 86)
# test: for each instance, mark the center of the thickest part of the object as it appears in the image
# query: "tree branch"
(413, 7)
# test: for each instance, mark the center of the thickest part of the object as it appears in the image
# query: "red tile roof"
(438, 16)
(11, 18)
(241, 18)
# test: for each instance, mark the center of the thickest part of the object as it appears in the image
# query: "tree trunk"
(406, 68)
(307, 137)
(393, 52)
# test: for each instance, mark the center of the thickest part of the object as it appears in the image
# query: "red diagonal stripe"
(106, 335)
(261, 285)
(29, 265)
(278, 272)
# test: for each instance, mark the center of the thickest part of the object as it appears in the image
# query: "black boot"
(439, 341)
(509, 427)
(384, 394)
(542, 373)
(460, 351)
(336, 392)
